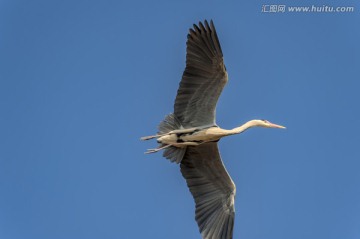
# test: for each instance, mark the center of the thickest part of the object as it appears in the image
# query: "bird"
(189, 136)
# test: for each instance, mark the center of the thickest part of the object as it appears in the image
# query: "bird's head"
(267, 124)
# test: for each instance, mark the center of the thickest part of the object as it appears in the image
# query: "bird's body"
(189, 136)
(194, 137)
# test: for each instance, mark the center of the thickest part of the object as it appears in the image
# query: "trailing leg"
(150, 151)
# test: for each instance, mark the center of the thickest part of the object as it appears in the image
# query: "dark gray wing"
(212, 188)
(203, 80)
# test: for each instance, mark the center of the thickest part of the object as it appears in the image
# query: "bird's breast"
(191, 138)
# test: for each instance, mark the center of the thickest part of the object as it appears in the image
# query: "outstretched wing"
(203, 79)
(212, 188)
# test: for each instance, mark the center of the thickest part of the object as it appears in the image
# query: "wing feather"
(212, 188)
(203, 80)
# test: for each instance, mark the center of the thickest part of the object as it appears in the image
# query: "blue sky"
(82, 81)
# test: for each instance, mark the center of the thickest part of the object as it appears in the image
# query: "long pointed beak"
(277, 126)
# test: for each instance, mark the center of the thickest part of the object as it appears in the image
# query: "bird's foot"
(148, 137)
(150, 151)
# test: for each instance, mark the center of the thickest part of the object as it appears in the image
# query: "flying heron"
(189, 136)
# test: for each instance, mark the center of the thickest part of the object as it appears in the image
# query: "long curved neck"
(242, 128)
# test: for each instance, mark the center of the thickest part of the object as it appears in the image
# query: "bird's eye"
(265, 121)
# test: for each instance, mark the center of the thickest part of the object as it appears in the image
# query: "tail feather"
(168, 124)
(174, 154)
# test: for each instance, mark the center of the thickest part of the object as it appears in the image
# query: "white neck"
(242, 128)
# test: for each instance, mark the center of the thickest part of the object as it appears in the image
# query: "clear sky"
(82, 81)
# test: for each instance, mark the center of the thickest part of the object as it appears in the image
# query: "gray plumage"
(169, 123)
(212, 188)
(203, 79)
